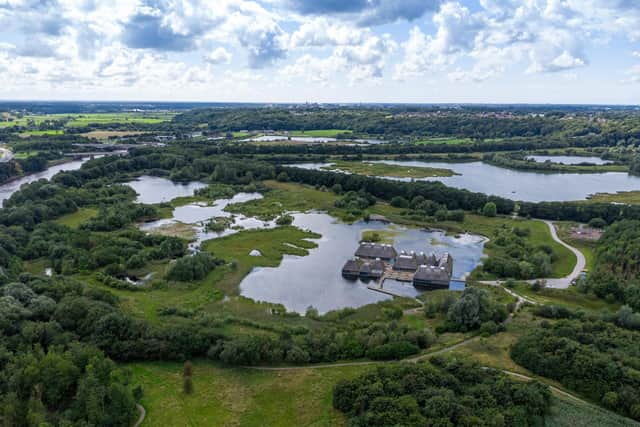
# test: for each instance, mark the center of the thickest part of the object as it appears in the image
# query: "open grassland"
(320, 133)
(76, 218)
(444, 140)
(285, 197)
(236, 396)
(389, 170)
(81, 120)
(626, 197)
(120, 118)
(569, 298)
(47, 132)
(106, 134)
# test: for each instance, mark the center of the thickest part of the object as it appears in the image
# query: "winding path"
(556, 283)
(143, 414)
(581, 263)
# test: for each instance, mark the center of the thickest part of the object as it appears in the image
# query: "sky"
(415, 51)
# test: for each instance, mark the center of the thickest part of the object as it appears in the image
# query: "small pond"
(316, 280)
(570, 160)
(519, 185)
(153, 189)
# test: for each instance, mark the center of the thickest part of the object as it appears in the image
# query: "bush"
(489, 209)
(192, 267)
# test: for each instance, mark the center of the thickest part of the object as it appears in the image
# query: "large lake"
(520, 185)
(316, 280)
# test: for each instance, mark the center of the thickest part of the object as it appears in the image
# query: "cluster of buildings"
(381, 261)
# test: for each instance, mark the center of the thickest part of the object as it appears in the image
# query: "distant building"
(379, 261)
(351, 269)
(432, 277)
(376, 251)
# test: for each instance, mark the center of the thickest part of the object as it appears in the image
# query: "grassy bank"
(234, 396)
(626, 197)
(389, 170)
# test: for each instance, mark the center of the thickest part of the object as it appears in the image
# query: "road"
(565, 282)
(556, 283)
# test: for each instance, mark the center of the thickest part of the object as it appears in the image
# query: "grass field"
(76, 218)
(386, 169)
(226, 396)
(444, 140)
(626, 197)
(320, 133)
(569, 298)
(236, 396)
(29, 133)
(80, 120)
(106, 134)
(285, 197)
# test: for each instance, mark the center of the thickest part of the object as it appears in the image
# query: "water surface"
(518, 185)
(153, 189)
(6, 190)
(198, 214)
(570, 160)
(316, 280)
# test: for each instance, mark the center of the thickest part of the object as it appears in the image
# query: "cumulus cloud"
(147, 29)
(322, 32)
(219, 55)
(365, 12)
(360, 62)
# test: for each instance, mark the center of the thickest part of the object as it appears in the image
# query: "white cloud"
(322, 32)
(220, 55)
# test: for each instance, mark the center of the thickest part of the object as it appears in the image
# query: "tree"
(489, 209)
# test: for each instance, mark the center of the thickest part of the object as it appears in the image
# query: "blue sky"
(534, 51)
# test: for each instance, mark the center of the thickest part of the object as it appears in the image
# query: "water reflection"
(153, 189)
(6, 190)
(198, 214)
(519, 185)
(316, 280)
(570, 160)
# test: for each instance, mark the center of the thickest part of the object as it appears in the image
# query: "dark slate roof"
(431, 274)
(374, 250)
(424, 259)
(406, 262)
(351, 266)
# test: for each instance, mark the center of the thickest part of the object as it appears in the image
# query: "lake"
(310, 139)
(153, 189)
(6, 190)
(518, 185)
(316, 280)
(570, 160)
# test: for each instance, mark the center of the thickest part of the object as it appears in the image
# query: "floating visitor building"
(381, 261)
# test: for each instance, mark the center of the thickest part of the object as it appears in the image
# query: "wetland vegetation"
(116, 270)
